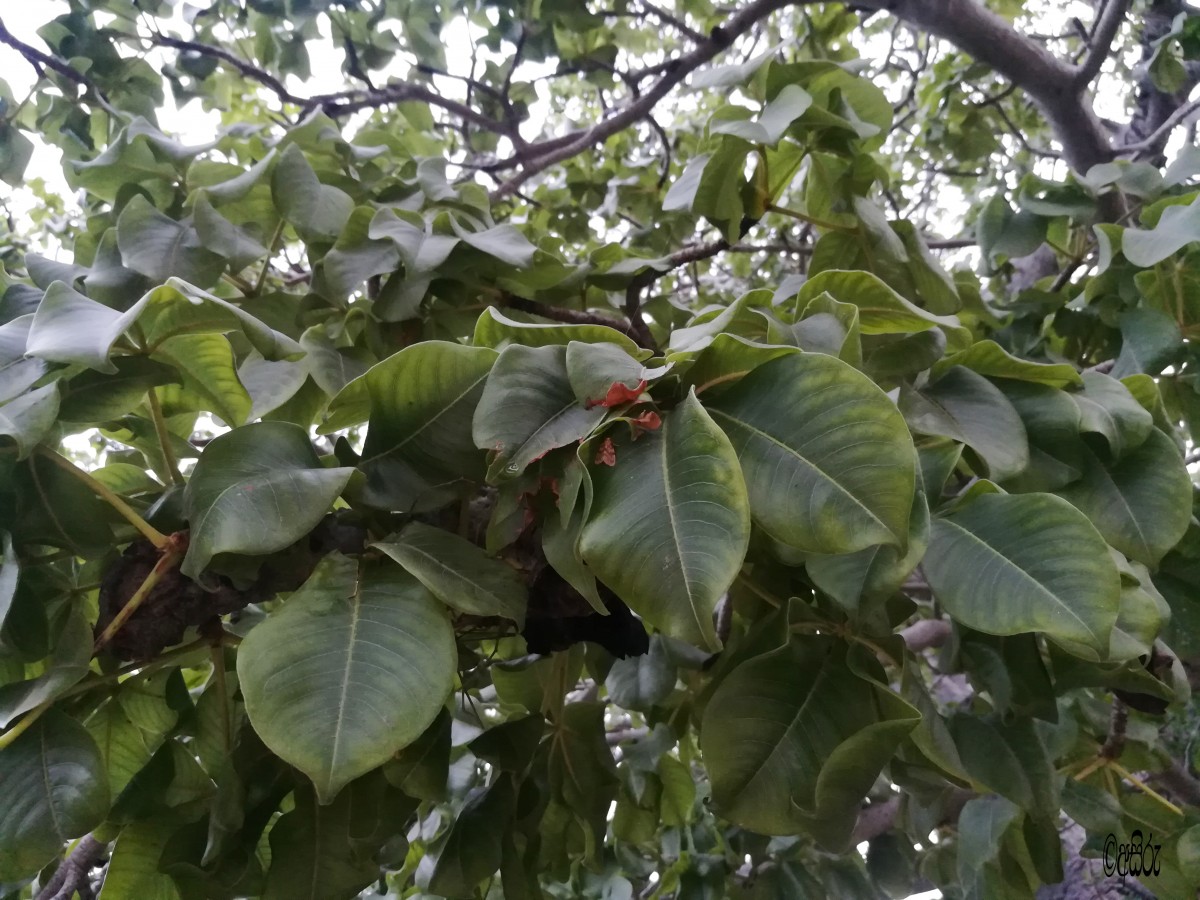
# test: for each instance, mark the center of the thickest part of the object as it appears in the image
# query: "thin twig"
(677, 71)
(148, 531)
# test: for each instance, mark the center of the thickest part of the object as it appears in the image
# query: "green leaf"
(1142, 503)
(1177, 227)
(793, 739)
(990, 359)
(422, 768)
(421, 250)
(528, 408)
(501, 241)
(719, 195)
(54, 788)
(1150, 341)
(238, 245)
(494, 329)
(133, 870)
(256, 490)
(28, 418)
(66, 666)
(70, 328)
(1108, 409)
(682, 193)
(473, 849)
(317, 211)
(828, 460)
(160, 248)
(880, 309)
(422, 401)
(594, 368)
(642, 682)
(1008, 759)
(209, 379)
(670, 523)
(92, 397)
(1006, 564)
(966, 407)
(458, 573)
(352, 668)
(774, 120)
(357, 255)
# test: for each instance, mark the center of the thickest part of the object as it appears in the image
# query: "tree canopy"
(560, 449)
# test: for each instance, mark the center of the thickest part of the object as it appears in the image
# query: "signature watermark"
(1139, 856)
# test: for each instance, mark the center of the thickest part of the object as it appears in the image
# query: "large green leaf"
(70, 328)
(1107, 408)
(1142, 503)
(256, 490)
(880, 309)
(670, 523)
(54, 788)
(459, 573)
(793, 739)
(528, 408)
(421, 401)
(828, 460)
(966, 407)
(313, 852)
(209, 381)
(317, 211)
(1032, 562)
(472, 849)
(787, 106)
(161, 248)
(990, 359)
(353, 667)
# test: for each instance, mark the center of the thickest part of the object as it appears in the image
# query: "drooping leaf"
(1013, 564)
(161, 248)
(351, 669)
(26, 419)
(256, 490)
(1142, 503)
(828, 460)
(458, 573)
(421, 403)
(966, 407)
(317, 211)
(528, 408)
(669, 523)
(794, 738)
(54, 789)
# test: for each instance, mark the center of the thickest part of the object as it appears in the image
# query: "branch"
(925, 634)
(562, 314)
(1180, 782)
(1159, 134)
(1107, 25)
(340, 103)
(678, 70)
(41, 61)
(633, 294)
(72, 875)
(1051, 83)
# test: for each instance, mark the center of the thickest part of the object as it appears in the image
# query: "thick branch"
(1107, 25)
(72, 875)
(738, 24)
(1052, 83)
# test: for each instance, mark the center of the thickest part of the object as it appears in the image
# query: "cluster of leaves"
(789, 477)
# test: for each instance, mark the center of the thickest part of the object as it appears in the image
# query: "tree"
(627, 481)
